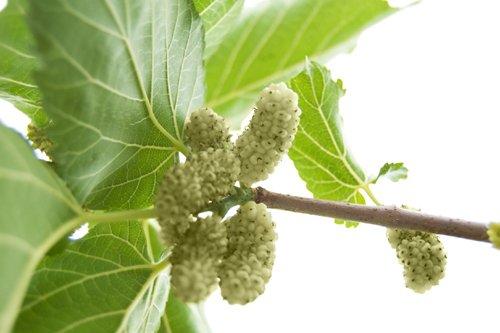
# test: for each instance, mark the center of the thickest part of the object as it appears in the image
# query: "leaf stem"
(162, 264)
(120, 216)
(370, 194)
(387, 216)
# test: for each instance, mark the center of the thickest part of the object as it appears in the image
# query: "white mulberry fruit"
(179, 195)
(270, 133)
(188, 188)
(196, 258)
(206, 129)
(422, 256)
(218, 169)
(247, 265)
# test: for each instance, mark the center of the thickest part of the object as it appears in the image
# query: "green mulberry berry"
(494, 234)
(179, 196)
(270, 133)
(39, 139)
(206, 129)
(188, 188)
(218, 169)
(247, 265)
(196, 258)
(422, 256)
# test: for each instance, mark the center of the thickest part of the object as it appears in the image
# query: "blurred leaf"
(392, 171)
(218, 18)
(106, 282)
(319, 152)
(183, 318)
(347, 224)
(271, 40)
(36, 210)
(17, 62)
(118, 79)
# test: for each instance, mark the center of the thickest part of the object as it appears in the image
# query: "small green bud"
(39, 139)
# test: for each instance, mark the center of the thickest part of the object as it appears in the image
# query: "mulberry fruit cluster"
(422, 256)
(270, 133)
(248, 263)
(494, 234)
(239, 252)
(206, 129)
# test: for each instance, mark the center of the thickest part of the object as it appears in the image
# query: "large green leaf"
(107, 282)
(17, 62)
(118, 78)
(271, 42)
(319, 151)
(35, 211)
(218, 18)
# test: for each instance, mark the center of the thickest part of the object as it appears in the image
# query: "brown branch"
(387, 216)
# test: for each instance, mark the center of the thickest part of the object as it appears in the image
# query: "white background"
(422, 88)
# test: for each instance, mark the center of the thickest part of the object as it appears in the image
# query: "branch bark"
(387, 216)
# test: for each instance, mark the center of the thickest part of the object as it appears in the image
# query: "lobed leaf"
(36, 210)
(218, 17)
(270, 42)
(107, 282)
(17, 62)
(319, 151)
(118, 79)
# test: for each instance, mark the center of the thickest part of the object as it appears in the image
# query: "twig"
(387, 216)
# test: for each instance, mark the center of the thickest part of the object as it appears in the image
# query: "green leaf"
(218, 17)
(183, 318)
(36, 210)
(109, 281)
(347, 224)
(118, 79)
(392, 171)
(17, 63)
(319, 152)
(271, 41)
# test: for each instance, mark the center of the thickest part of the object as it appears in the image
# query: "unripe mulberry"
(422, 256)
(206, 129)
(179, 195)
(196, 258)
(188, 188)
(270, 133)
(218, 169)
(494, 234)
(248, 263)
(39, 139)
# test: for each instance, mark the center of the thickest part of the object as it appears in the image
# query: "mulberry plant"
(153, 197)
